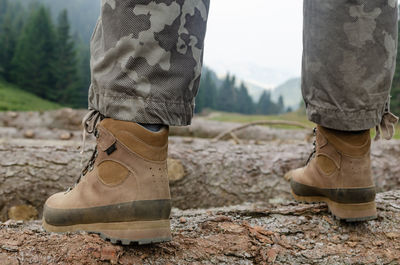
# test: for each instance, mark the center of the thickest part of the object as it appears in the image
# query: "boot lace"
(314, 148)
(89, 124)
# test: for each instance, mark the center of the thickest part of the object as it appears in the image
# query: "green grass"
(292, 116)
(13, 98)
(240, 118)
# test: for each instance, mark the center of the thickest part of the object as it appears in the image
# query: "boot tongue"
(356, 138)
(122, 129)
(152, 127)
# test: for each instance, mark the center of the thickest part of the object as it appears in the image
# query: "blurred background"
(252, 58)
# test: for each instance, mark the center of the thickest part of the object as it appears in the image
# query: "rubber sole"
(355, 212)
(125, 233)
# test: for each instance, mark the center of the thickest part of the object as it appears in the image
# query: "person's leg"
(147, 59)
(146, 65)
(349, 60)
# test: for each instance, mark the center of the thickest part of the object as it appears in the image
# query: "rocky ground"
(287, 233)
(257, 221)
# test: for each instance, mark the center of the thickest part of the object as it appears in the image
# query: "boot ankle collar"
(344, 147)
(105, 139)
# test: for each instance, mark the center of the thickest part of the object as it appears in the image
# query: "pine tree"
(67, 86)
(200, 97)
(4, 28)
(281, 104)
(3, 10)
(7, 46)
(244, 101)
(10, 29)
(266, 106)
(35, 55)
(211, 91)
(227, 94)
(207, 94)
(84, 74)
(263, 103)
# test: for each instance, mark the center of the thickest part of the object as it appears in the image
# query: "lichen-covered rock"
(175, 170)
(29, 134)
(23, 213)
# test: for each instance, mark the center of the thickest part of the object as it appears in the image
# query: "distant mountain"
(255, 75)
(255, 90)
(290, 91)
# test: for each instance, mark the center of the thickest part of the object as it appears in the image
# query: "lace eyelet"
(89, 123)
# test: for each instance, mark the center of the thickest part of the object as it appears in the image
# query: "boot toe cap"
(52, 203)
(294, 174)
(295, 178)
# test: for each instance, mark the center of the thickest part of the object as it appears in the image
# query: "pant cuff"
(140, 110)
(345, 121)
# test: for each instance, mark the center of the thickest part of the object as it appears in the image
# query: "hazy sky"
(255, 34)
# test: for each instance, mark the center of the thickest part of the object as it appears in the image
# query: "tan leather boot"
(339, 174)
(124, 194)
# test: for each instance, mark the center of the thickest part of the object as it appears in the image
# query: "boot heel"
(353, 212)
(349, 212)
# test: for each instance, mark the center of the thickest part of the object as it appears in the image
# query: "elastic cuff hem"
(344, 121)
(142, 110)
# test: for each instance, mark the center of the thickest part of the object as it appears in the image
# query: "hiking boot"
(123, 193)
(339, 174)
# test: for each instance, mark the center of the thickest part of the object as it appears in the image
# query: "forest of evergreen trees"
(38, 53)
(229, 97)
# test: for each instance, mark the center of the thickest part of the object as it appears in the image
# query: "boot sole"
(349, 212)
(125, 233)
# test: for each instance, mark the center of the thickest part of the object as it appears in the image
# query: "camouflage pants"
(147, 58)
(349, 60)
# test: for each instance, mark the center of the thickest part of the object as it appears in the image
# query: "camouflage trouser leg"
(147, 58)
(349, 60)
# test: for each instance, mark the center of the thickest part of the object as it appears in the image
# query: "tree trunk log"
(57, 123)
(202, 173)
(288, 233)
